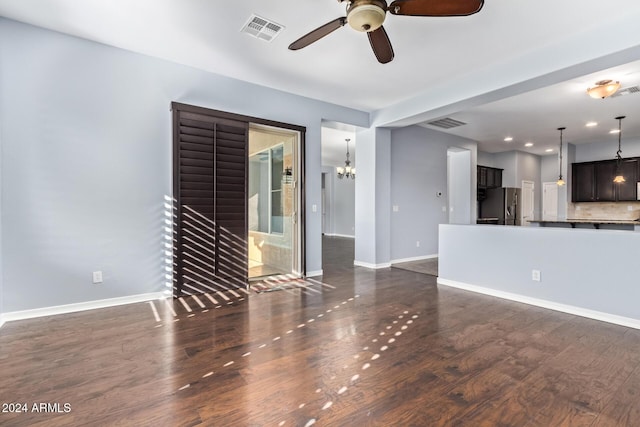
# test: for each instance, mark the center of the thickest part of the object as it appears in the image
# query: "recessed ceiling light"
(529, 144)
(591, 124)
(549, 150)
(614, 131)
(508, 139)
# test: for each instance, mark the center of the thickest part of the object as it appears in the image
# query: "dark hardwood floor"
(379, 348)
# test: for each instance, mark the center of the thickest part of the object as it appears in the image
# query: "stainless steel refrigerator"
(504, 204)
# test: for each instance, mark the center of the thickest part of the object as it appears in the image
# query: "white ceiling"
(535, 116)
(430, 53)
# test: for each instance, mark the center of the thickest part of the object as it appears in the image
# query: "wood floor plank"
(372, 348)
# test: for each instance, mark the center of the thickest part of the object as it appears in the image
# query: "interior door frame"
(175, 106)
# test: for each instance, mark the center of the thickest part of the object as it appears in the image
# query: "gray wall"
(549, 168)
(418, 171)
(589, 269)
(344, 203)
(507, 161)
(606, 150)
(485, 159)
(459, 186)
(340, 204)
(86, 164)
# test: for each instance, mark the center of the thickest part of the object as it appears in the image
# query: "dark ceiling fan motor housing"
(369, 15)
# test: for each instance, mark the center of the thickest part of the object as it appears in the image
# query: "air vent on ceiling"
(262, 28)
(446, 123)
(626, 91)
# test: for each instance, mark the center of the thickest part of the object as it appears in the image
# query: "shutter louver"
(210, 165)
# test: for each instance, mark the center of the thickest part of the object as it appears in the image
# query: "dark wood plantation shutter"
(210, 168)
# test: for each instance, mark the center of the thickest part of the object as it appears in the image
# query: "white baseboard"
(340, 235)
(81, 306)
(314, 273)
(1, 320)
(415, 258)
(373, 266)
(569, 309)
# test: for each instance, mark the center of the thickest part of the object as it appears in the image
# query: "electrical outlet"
(97, 277)
(535, 275)
(444, 209)
(396, 208)
(629, 208)
(314, 208)
(417, 243)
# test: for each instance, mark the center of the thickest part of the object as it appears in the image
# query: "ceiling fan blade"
(381, 45)
(435, 7)
(318, 33)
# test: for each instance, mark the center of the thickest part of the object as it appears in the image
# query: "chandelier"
(347, 170)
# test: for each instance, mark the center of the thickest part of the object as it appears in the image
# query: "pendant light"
(619, 177)
(560, 181)
(347, 170)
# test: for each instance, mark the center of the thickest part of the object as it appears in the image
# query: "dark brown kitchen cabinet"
(489, 177)
(593, 181)
(583, 179)
(605, 188)
(627, 191)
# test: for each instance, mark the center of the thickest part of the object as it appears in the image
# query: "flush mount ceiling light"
(591, 124)
(560, 181)
(529, 144)
(619, 177)
(508, 139)
(346, 171)
(603, 89)
(549, 150)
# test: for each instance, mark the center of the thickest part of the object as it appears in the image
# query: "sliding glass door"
(273, 200)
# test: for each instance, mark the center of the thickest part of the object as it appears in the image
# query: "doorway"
(215, 219)
(549, 201)
(528, 197)
(273, 202)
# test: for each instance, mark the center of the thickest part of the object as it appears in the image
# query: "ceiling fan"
(368, 16)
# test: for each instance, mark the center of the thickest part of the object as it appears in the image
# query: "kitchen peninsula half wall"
(589, 273)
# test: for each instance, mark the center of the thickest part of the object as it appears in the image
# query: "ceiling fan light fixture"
(603, 89)
(366, 16)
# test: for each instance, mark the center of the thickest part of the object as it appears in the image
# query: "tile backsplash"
(604, 210)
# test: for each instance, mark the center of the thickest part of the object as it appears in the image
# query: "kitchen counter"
(617, 224)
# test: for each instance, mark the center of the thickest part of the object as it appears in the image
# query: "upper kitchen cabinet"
(489, 177)
(593, 181)
(627, 191)
(582, 182)
(605, 188)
